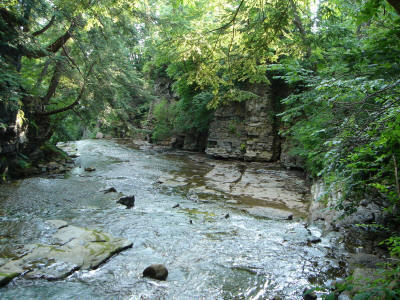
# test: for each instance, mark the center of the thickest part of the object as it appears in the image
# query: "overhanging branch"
(36, 33)
(73, 104)
(54, 47)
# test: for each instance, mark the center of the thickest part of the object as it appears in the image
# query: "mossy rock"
(51, 150)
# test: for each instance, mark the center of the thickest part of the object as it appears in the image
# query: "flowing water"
(208, 255)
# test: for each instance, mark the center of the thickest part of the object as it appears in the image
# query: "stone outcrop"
(272, 192)
(73, 248)
(245, 130)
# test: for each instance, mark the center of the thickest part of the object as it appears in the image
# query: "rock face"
(73, 248)
(156, 271)
(245, 130)
(288, 159)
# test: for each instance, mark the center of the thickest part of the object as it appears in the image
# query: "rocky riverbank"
(266, 190)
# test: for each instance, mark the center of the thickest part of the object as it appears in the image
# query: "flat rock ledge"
(73, 248)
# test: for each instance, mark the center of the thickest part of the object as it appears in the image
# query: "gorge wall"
(250, 130)
(245, 130)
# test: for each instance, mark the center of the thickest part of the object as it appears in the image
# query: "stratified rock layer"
(245, 130)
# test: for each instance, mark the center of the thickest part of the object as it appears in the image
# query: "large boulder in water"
(73, 248)
(156, 271)
(128, 201)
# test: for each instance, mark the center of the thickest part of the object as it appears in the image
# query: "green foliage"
(164, 115)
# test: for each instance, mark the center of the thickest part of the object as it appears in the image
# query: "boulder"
(344, 296)
(73, 248)
(99, 135)
(110, 190)
(314, 240)
(309, 294)
(365, 260)
(128, 201)
(156, 271)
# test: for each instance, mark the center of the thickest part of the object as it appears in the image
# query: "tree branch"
(42, 74)
(395, 4)
(36, 33)
(55, 80)
(299, 24)
(65, 51)
(54, 47)
(231, 21)
(57, 111)
(73, 104)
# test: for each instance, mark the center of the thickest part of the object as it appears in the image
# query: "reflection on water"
(211, 257)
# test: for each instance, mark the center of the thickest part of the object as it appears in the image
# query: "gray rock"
(57, 223)
(156, 271)
(232, 202)
(128, 201)
(309, 294)
(269, 212)
(110, 190)
(172, 181)
(365, 260)
(73, 248)
(9, 271)
(361, 276)
(314, 240)
(345, 296)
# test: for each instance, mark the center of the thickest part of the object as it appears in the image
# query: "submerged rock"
(172, 181)
(73, 248)
(269, 212)
(90, 169)
(128, 201)
(156, 271)
(309, 294)
(110, 190)
(314, 240)
(57, 223)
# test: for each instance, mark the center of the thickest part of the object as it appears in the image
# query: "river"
(213, 248)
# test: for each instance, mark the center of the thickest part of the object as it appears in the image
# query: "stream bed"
(239, 231)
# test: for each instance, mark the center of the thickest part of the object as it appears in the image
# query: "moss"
(7, 277)
(51, 150)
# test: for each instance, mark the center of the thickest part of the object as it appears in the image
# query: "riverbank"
(362, 233)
